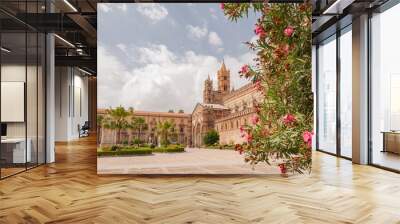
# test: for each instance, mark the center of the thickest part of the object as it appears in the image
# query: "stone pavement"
(193, 161)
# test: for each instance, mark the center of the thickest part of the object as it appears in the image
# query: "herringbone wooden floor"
(69, 191)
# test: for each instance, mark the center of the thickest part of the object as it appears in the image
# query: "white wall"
(314, 90)
(34, 125)
(9, 73)
(71, 102)
(16, 73)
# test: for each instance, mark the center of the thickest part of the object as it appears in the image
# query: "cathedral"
(223, 109)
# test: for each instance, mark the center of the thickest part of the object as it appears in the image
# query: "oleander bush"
(282, 129)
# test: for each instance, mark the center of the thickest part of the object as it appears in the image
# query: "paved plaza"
(192, 161)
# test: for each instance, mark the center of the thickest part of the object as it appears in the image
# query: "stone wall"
(229, 127)
(183, 128)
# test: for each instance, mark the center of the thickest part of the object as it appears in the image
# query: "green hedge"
(172, 148)
(131, 150)
(124, 151)
(228, 147)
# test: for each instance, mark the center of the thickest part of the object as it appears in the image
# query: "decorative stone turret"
(208, 90)
(224, 81)
(215, 96)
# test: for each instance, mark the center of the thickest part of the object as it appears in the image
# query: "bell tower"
(224, 82)
(207, 92)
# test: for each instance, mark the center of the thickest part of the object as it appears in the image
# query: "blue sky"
(156, 56)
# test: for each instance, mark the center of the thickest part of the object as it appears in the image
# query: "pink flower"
(241, 129)
(288, 31)
(307, 138)
(255, 119)
(239, 148)
(245, 69)
(258, 85)
(282, 168)
(288, 119)
(259, 30)
(249, 137)
(282, 50)
(222, 6)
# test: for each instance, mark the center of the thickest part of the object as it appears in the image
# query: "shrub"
(125, 151)
(211, 138)
(125, 142)
(282, 129)
(170, 148)
(115, 148)
(224, 146)
(136, 141)
(152, 146)
(165, 142)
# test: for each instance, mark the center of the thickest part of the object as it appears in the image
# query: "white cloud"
(214, 39)
(108, 7)
(154, 54)
(122, 6)
(235, 63)
(161, 80)
(196, 32)
(153, 11)
(112, 75)
(254, 39)
(104, 7)
(122, 47)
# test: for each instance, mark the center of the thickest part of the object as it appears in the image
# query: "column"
(360, 90)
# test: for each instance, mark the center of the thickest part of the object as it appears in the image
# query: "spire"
(223, 64)
(208, 76)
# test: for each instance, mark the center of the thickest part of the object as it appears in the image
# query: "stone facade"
(223, 110)
(182, 123)
(241, 105)
(203, 120)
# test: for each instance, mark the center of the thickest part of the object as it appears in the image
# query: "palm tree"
(164, 131)
(131, 111)
(138, 124)
(130, 124)
(117, 120)
(107, 123)
(99, 124)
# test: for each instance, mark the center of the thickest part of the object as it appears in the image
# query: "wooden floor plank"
(70, 191)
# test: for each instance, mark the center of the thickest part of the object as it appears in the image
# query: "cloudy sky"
(155, 57)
